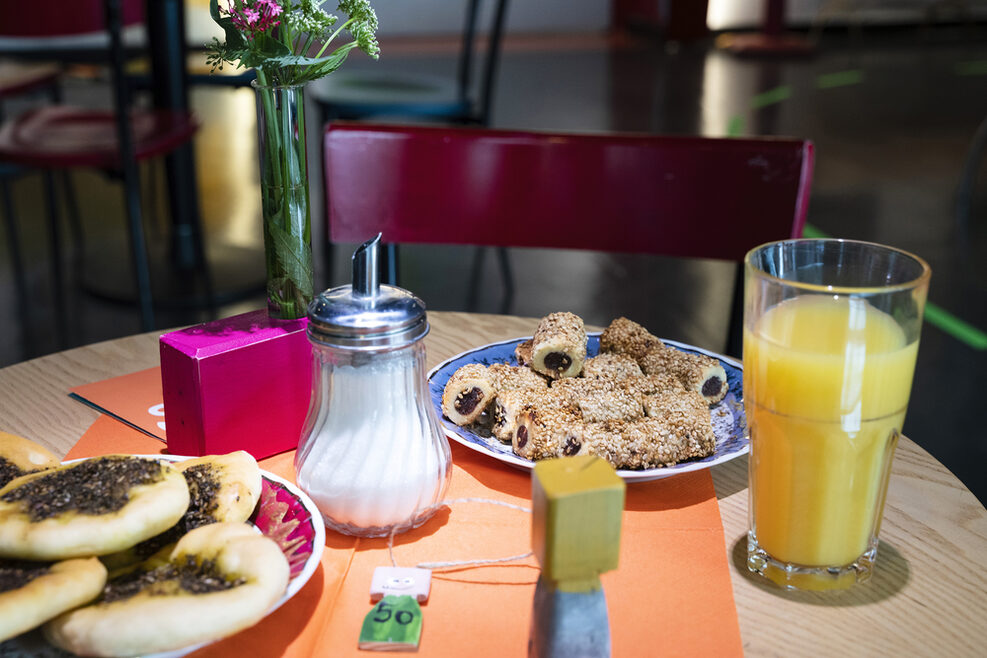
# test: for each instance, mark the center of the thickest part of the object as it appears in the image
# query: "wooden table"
(928, 596)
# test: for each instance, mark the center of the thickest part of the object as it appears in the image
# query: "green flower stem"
(284, 188)
(331, 37)
(277, 47)
(270, 138)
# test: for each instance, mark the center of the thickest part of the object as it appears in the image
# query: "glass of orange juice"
(831, 332)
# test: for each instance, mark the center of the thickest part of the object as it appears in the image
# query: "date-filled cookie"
(558, 347)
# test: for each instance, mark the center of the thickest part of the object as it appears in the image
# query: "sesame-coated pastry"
(544, 433)
(647, 442)
(558, 347)
(627, 337)
(610, 365)
(573, 387)
(688, 413)
(697, 372)
(468, 393)
(522, 352)
(616, 403)
(653, 384)
(600, 399)
(510, 404)
(638, 404)
(514, 378)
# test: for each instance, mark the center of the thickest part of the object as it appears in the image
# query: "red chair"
(686, 197)
(55, 136)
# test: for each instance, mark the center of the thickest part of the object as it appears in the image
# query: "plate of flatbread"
(158, 596)
(729, 438)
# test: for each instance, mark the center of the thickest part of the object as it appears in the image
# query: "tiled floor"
(892, 114)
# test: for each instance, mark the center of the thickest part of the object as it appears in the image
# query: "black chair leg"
(476, 274)
(138, 247)
(128, 167)
(150, 196)
(201, 272)
(212, 306)
(17, 263)
(965, 191)
(57, 275)
(389, 264)
(75, 225)
(505, 270)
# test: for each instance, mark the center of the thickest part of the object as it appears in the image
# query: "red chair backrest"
(62, 18)
(672, 196)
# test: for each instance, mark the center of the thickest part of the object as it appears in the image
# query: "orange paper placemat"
(134, 399)
(671, 594)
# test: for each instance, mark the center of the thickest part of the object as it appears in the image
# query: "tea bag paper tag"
(400, 581)
(394, 624)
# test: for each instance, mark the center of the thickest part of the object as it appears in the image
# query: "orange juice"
(826, 384)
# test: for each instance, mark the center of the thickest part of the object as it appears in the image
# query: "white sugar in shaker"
(372, 454)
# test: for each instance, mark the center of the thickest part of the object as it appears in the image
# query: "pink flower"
(273, 8)
(255, 17)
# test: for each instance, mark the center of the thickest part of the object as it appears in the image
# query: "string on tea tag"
(463, 563)
(395, 622)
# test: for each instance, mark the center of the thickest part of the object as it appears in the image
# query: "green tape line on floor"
(938, 317)
(952, 325)
(840, 79)
(771, 96)
(735, 128)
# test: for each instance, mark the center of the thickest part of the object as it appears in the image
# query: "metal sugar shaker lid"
(366, 315)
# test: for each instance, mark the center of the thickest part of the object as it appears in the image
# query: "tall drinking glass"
(831, 332)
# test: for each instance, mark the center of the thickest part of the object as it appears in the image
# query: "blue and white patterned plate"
(729, 421)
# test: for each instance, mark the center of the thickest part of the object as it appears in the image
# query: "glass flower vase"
(285, 200)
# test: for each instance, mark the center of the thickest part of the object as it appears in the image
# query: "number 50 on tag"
(395, 623)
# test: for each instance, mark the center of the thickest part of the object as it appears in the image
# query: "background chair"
(464, 96)
(56, 136)
(355, 94)
(19, 80)
(686, 197)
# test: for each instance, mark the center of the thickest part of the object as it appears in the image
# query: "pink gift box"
(240, 383)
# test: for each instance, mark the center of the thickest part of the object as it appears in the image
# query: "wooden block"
(577, 504)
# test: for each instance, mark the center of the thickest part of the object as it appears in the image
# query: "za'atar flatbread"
(221, 488)
(31, 593)
(20, 456)
(92, 507)
(220, 579)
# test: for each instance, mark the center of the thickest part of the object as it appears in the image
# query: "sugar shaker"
(372, 453)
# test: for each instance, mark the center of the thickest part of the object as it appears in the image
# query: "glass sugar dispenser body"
(372, 454)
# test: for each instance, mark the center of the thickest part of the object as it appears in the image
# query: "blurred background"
(892, 92)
